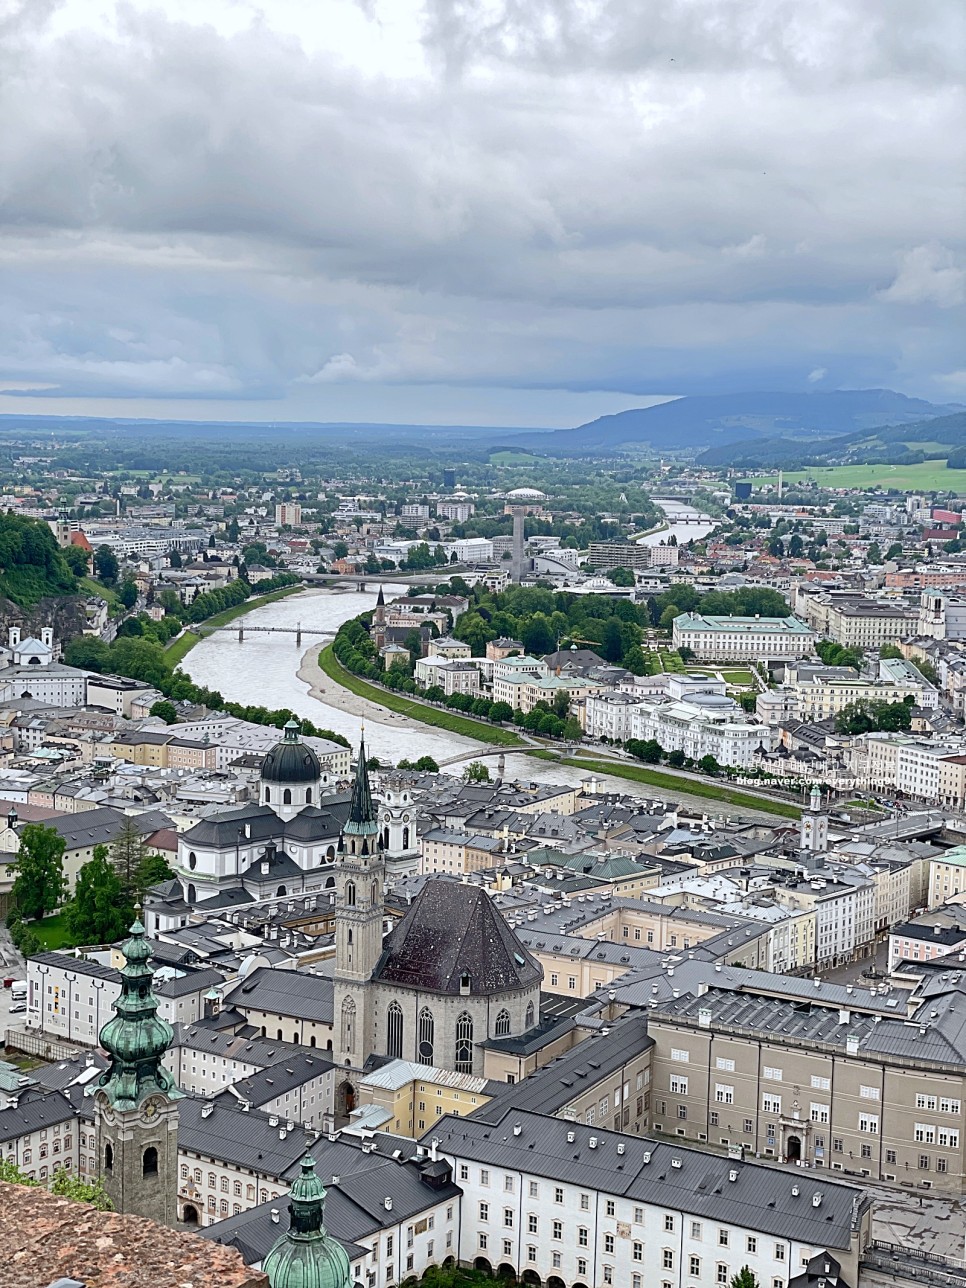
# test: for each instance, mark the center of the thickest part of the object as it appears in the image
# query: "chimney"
(275, 1216)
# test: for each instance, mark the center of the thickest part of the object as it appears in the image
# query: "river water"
(684, 522)
(263, 669)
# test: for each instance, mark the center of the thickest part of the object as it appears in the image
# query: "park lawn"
(177, 649)
(672, 784)
(927, 476)
(403, 704)
(52, 932)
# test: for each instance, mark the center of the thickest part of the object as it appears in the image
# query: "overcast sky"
(478, 211)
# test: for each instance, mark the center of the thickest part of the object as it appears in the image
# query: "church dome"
(306, 1256)
(291, 761)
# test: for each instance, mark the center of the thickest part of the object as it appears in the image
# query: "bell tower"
(813, 833)
(398, 820)
(136, 1098)
(359, 914)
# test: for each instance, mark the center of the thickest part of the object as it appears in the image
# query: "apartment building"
(742, 639)
(821, 1084)
(947, 876)
(843, 904)
(413, 1097)
(916, 767)
(704, 725)
(288, 513)
(608, 715)
(581, 1204)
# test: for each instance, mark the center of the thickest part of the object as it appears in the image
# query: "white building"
(704, 725)
(582, 1205)
(608, 714)
(732, 639)
(942, 615)
(288, 513)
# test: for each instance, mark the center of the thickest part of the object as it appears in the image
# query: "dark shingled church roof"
(454, 930)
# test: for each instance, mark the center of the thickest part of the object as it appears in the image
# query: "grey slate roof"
(36, 1109)
(298, 994)
(452, 930)
(230, 1135)
(760, 1197)
(554, 1085)
(281, 1078)
(100, 826)
(354, 1206)
(311, 823)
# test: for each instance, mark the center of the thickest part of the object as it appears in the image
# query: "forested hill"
(717, 420)
(32, 565)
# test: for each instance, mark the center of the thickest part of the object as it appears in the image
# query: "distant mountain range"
(719, 422)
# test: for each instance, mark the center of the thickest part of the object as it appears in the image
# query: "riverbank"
(184, 643)
(402, 706)
(677, 786)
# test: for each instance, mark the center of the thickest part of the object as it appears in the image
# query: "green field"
(930, 476)
(404, 705)
(672, 784)
(177, 649)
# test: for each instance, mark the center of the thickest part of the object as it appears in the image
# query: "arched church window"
(149, 1162)
(348, 1023)
(394, 1031)
(374, 893)
(350, 893)
(405, 838)
(529, 1019)
(308, 795)
(350, 937)
(502, 1029)
(192, 860)
(329, 883)
(427, 1035)
(464, 1043)
(268, 794)
(108, 1158)
(280, 892)
(287, 796)
(330, 854)
(385, 838)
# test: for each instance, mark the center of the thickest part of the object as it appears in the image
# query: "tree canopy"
(39, 881)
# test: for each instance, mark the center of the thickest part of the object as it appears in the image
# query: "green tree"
(890, 650)
(153, 868)
(174, 557)
(64, 1184)
(100, 912)
(561, 704)
(127, 852)
(426, 765)
(709, 765)
(39, 882)
(612, 647)
(745, 1278)
(676, 759)
(128, 592)
(621, 576)
(165, 711)
(106, 566)
(76, 558)
(476, 772)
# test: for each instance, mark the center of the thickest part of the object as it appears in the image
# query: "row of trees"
(650, 751)
(875, 716)
(107, 889)
(357, 653)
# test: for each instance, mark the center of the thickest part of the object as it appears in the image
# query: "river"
(263, 669)
(683, 522)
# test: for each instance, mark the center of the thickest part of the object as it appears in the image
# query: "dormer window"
(465, 982)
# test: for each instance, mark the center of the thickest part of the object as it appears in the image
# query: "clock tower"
(136, 1098)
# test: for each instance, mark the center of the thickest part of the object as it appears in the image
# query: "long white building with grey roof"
(588, 1207)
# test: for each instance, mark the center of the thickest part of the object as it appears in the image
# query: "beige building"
(852, 1092)
(416, 1096)
(947, 876)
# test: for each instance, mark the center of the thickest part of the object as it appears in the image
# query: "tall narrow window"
(108, 1158)
(149, 1162)
(394, 1031)
(350, 893)
(427, 1035)
(502, 1028)
(464, 1043)
(287, 796)
(348, 1023)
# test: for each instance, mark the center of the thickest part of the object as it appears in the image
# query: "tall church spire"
(362, 820)
(136, 1038)
(136, 1098)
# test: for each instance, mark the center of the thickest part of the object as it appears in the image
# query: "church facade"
(451, 976)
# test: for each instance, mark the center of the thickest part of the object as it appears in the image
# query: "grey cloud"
(188, 215)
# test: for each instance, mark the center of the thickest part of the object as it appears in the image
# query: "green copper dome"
(136, 1038)
(291, 761)
(306, 1256)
